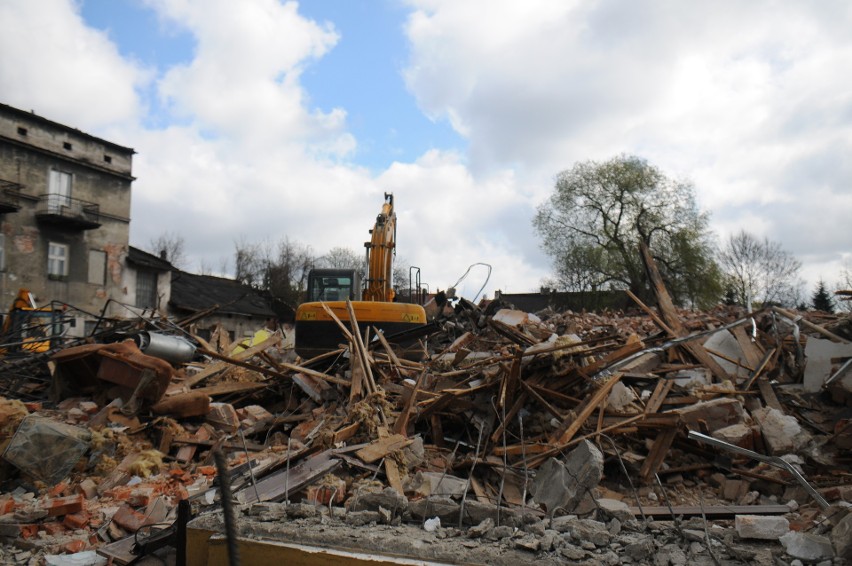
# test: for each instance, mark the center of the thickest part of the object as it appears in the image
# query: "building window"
(108, 158)
(59, 190)
(146, 289)
(67, 145)
(57, 260)
(22, 131)
(97, 267)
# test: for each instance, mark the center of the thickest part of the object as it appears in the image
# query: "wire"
(471, 266)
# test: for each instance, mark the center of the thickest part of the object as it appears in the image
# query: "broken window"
(97, 267)
(57, 260)
(146, 289)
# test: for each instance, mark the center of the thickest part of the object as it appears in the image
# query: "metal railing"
(67, 207)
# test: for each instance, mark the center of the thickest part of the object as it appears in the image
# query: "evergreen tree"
(821, 299)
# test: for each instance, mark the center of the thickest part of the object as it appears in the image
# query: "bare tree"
(760, 271)
(345, 258)
(281, 270)
(843, 288)
(170, 246)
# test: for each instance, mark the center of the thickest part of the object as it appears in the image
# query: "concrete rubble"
(515, 437)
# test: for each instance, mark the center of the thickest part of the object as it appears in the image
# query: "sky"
(260, 120)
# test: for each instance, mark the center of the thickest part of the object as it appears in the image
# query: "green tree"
(821, 299)
(599, 211)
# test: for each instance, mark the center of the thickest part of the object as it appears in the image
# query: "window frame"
(52, 257)
(153, 297)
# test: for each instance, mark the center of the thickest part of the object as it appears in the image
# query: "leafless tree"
(844, 300)
(170, 246)
(760, 271)
(345, 258)
(282, 269)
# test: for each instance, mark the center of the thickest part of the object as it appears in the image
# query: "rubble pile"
(656, 436)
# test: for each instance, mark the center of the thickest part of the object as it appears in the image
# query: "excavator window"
(331, 289)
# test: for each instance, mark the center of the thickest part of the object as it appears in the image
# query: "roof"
(193, 293)
(142, 258)
(44, 121)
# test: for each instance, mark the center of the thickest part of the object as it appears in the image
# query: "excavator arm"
(380, 252)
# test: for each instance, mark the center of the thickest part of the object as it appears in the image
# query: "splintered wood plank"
(710, 511)
(671, 318)
(401, 424)
(764, 363)
(750, 349)
(479, 491)
(382, 447)
(584, 411)
(230, 387)
(768, 394)
(283, 483)
(346, 432)
(658, 453)
(392, 473)
(217, 367)
(658, 397)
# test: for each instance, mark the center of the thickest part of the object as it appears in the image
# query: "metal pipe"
(771, 460)
(173, 349)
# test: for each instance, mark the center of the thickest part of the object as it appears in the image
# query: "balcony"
(9, 196)
(66, 212)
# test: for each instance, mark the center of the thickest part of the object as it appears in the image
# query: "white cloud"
(52, 63)
(750, 101)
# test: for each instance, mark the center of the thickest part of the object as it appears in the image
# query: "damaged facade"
(64, 213)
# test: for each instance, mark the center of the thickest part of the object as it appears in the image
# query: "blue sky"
(266, 120)
(363, 73)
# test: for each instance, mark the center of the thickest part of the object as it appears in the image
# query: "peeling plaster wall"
(30, 148)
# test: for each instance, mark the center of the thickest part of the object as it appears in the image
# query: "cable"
(454, 286)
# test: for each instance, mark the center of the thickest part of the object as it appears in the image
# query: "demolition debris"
(651, 436)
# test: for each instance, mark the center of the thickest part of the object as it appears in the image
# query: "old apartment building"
(64, 214)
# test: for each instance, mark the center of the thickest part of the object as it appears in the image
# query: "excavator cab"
(334, 285)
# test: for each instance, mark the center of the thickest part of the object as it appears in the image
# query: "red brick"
(181, 493)
(7, 506)
(53, 528)
(206, 470)
(76, 521)
(75, 546)
(28, 530)
(128, 519)
(58, 489)
(33, 406)
(64, 505)
(141, 497)
(18, 530)
(121, 493)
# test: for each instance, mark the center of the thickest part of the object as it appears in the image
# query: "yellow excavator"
(29, 328)
(375, 306)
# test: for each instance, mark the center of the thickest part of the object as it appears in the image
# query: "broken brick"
(63, 505)
(76, 521)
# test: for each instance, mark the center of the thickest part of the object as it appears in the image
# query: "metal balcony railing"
(9, 196)
(71, 212)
